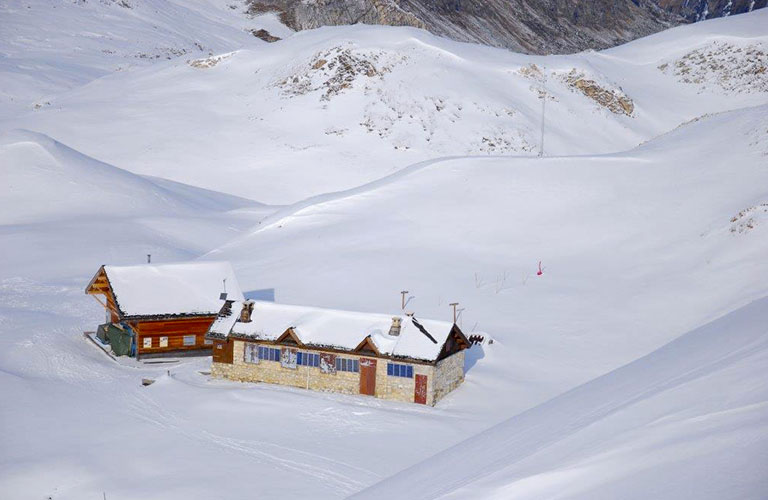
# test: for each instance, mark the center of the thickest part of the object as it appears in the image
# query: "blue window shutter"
(357, 366)
(298, 358)
(410, 372)
(389, 369)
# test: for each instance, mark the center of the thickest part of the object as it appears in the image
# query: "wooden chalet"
(161, 310)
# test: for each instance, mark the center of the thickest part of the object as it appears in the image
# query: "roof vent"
(394, 330)
(246, 311)
(223, 296)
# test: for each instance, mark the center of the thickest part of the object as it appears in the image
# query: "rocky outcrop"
(698, 10)
(724, 67)
(264, 35)
(301, 15)
(614, 100)
(531, 26)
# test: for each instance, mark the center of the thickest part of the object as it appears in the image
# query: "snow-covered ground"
(632, 368)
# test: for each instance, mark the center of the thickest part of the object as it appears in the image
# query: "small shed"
(162, 309)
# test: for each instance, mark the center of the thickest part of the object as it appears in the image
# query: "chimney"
(246, 311)
(394, 330)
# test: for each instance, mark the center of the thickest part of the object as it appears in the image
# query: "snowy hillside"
(696, 409)
(621, 238)
(54, 198)
(386, 159)
(334, 108)
(50, 46)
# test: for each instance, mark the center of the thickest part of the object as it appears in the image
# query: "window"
(189, 340)
(347, 365)
(163, 341)
(147, 342)
(308, 359)
(251, 353)
(207, 341)
(397, 370)
(269, 353)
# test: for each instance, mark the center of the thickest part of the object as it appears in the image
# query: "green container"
(121, 339)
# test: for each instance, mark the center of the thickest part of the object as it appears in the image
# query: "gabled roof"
(186, 289)
(340, 330)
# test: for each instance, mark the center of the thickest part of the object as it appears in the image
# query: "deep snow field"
(342, 165)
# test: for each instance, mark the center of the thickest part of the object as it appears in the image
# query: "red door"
(420, 392)
(368, 376)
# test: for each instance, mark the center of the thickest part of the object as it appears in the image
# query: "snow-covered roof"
(190, 288)
(340, 330)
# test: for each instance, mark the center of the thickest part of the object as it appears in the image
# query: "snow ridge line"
(289, 210)
(319, 199)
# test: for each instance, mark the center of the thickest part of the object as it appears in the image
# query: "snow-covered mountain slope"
(621, 238)
(334, 108)
(689, 420)
(49, 46)
(638, 248)
(54, 197)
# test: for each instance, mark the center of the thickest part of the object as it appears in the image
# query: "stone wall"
(441, 379)
(449, 374)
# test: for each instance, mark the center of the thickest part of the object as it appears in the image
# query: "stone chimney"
(246, 311)
(394, 330)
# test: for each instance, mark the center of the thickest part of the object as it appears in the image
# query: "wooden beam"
(105, 306)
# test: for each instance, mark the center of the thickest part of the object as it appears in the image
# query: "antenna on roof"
(402, 298)
(149, 258)
(454, 304)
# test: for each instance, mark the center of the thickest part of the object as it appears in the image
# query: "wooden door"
(420, 391)
(368, 376)
(223, 351)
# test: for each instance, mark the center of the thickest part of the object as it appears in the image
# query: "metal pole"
(454, 304)
(402, 298)
(543, 113)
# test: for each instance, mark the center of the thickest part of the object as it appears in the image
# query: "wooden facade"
(160, 336)
(168, 334)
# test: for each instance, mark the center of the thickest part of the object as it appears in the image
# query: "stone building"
(399, 358)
